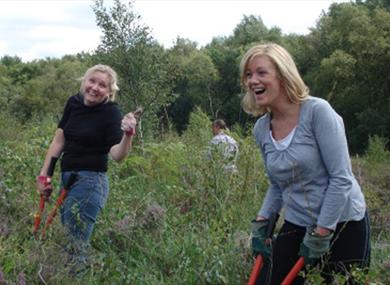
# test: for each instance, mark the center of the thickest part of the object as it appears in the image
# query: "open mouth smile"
(258, 91)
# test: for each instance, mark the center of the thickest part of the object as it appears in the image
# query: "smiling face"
(96, 88)
(262, 81)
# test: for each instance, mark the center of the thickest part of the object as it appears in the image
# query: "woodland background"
(173, 217)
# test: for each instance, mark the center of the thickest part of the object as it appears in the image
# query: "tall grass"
(173, 216)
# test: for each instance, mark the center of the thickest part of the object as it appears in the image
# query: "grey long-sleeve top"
(312, 178)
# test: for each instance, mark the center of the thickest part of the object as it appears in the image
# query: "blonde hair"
(288, 74)
(113, 78)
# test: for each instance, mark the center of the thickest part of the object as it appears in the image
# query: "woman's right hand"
(259, 238)
(44, 187)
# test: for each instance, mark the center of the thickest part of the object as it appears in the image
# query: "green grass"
(172, 217)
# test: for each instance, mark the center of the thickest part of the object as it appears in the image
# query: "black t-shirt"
(90, 132)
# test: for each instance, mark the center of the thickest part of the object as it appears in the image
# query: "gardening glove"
(260, 241)
(44, 186)
(314, 246)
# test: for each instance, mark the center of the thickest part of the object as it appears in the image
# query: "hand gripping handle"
(45, 180)
(137, 114)
(63, 193)
(259, 259)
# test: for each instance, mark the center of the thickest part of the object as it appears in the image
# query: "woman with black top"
(91, 128)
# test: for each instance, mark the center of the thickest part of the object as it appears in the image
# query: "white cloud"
(3, 48)
(41, 10)
(201, 20)
(54, 40)
(37, 29)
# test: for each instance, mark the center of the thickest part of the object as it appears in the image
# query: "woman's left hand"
(129, 122)
(322, 231)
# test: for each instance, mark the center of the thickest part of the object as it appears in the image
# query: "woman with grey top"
(304, 147)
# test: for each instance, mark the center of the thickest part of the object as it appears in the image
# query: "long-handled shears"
(294, 271)
(43, 198)
(60, 200)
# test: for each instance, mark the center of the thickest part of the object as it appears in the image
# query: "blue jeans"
(85, 200)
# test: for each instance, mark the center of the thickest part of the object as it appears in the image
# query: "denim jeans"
(85, 200)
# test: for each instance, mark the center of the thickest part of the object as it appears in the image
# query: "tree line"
(345, 59)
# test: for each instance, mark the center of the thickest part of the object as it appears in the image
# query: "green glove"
(314, 246)
(259, 238)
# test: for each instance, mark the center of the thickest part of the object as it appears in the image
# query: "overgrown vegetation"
(344, 59)
(173, 217)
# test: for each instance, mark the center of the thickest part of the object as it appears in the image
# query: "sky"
(36, 29)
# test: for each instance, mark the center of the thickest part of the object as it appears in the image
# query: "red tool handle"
(44, 197)
(38, 215)
(41, 204)
(53, 212)
(64, 192)
(294, 271)
(256, 270)
(259, 259)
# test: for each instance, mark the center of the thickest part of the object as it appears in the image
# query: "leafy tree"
(141, 63)
(6, 88)
(201, 74)
(340, 68)
(18, 71)
(188, 86)
(226, 54)
(250, 29)
(227, 88)
(351, 47)
(47, 91)
(298, 46)
(372, 4)
(9, 61)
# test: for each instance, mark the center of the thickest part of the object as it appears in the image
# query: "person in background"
(91, 128)
(223, 145)
(304, 147)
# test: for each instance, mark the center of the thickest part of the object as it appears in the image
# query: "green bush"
(377, 150)
(172, 217)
